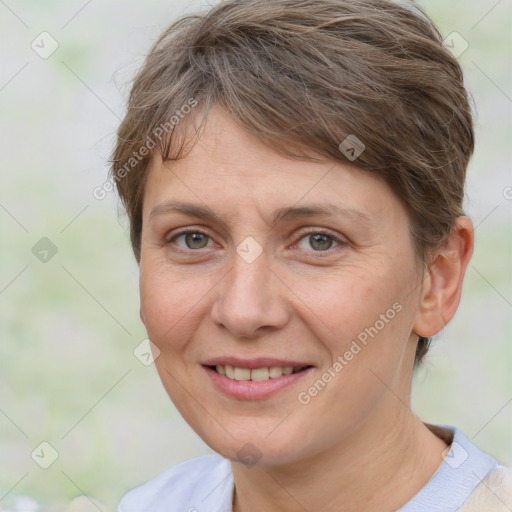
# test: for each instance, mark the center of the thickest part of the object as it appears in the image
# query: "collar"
(463, 468)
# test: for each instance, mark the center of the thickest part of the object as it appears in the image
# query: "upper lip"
(259, 362)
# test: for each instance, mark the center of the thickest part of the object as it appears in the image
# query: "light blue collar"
(463, 468)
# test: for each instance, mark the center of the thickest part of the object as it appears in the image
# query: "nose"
(250, 300)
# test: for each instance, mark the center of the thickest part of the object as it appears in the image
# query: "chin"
(255, 443)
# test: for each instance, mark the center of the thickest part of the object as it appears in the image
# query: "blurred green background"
(68, 374)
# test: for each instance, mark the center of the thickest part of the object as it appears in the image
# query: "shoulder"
(493, 494)
(184, 487)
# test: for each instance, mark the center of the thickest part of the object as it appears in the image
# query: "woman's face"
(286, 263)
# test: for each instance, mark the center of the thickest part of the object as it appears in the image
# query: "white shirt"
(205, 484)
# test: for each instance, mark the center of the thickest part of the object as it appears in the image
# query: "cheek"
(371, 321)
(346, 302)
(364, 316)
(170, 303)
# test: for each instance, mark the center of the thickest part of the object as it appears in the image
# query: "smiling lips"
(254, 379)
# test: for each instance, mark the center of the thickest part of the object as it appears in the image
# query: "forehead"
(229, 170)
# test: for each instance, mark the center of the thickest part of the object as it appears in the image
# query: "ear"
(141, 314)
(442, 284)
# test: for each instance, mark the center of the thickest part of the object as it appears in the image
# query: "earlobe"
(442, 286)
(142, 317)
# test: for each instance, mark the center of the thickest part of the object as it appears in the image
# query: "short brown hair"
(302, 77)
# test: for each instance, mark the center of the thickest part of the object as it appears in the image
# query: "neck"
(380, 466)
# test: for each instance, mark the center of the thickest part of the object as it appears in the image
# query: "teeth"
(230, 372)
(260, 374)
(242, 373)
(275, 371)
(257, 374)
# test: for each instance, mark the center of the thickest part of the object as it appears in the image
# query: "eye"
(193, 239)
(319, 241)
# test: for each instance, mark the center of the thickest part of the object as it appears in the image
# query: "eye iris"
(322, 242)
(195, 238)
(199, 240)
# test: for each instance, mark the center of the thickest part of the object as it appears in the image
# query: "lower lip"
(251, 389)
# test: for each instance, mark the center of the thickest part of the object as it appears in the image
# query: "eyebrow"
(280, 215)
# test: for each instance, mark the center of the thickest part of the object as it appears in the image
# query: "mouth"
(256, 374)
(254, 379)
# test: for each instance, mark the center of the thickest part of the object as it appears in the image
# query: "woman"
(294, 177)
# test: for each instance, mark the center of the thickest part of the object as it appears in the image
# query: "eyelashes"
(309, 236)
(323, 237)
(186, 232)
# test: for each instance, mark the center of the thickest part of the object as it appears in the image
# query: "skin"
(356, 446)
